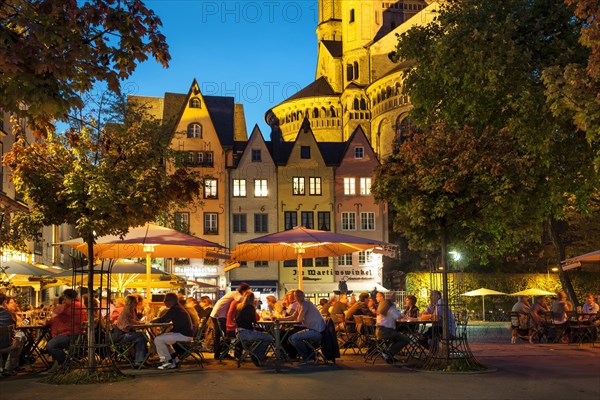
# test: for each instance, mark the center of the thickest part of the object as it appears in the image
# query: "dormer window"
(195, 103)
(194, 131)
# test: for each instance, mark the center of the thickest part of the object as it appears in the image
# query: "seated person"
(522, 305)
(122, 333)
(65, 326)
(410, 310)
(387, 314)
(538, 311)
(15, 343)
(340, 307)
(245, 319)
(590, 309)
(435, 312)
(560, 308)
(311, 320)
(182, 330)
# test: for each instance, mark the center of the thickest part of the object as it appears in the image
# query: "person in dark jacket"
(182, 330)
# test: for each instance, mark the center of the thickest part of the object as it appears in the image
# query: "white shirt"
(389, 320)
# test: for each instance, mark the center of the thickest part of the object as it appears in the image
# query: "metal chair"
(193, 349)
(7, 333)
(248, 350)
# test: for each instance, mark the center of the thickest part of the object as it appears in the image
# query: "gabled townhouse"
(253, 210)
(357, 213)
(203, 133)
(306, 198)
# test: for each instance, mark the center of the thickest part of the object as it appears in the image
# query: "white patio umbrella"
(484, 292)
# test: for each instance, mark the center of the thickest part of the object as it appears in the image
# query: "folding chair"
(228, 344)
(376, 347)
(248, 350)
(316, 352)
(6, 343)
(121, 351)
(193, 349)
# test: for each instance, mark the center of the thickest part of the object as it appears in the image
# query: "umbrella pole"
(483, 299)
(148, 277)
(300, 251)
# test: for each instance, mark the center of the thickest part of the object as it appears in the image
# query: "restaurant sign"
(196, 271)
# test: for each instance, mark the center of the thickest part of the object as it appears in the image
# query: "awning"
(264, 286)
(356, 287)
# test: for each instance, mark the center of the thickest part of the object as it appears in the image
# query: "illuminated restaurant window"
(210, 188)
(298, 186)
(349, 186)
(314, 186)
(365, 257)
(239, 188)
(260, 188)
(345, 260)
(365, 186)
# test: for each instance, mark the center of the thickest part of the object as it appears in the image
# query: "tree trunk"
(565, 280)
(90, 308)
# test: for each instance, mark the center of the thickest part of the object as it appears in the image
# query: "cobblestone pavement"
(517, 371)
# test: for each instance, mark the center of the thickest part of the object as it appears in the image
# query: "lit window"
(345, 260)
(359, 152)
(314, 186)
(349, 186)
(365, 186)
(210, 224)
(298, 186)
(239, 188)
(365, 257)
(260, 188)
(348, 221)
(210, 189)
(194, 131)
(367, 221)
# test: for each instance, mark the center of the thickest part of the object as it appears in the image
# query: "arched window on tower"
(352, 15)
(333, 113)
(315, 113)
(363, 104)
(355, 70)
(356, 105)
(349, 72)
(404, 129)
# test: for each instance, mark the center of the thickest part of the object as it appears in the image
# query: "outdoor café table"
(151, 330)
(280, 330)
(413, 328)
(36, 338)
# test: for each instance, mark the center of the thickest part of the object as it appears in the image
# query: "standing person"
(182, 330)
(311, 320)
(65, 326)
(245, 319)
(387, 314)
(9, 319)
(219, 314)
(122, 332)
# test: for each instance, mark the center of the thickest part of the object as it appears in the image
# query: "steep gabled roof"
(334, 47)
(320, 87)
(222, 110)
(332, 152)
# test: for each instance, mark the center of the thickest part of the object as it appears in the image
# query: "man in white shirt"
(387, 314)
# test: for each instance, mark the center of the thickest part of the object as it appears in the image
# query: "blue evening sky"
(259, 52)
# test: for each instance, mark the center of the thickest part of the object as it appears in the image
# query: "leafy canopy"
(478, 72)
(106, 173)
(53, 50)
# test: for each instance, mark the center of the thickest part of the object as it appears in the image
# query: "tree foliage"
(574, 90)
(475, 185)
(106, 173)
(53, 50)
